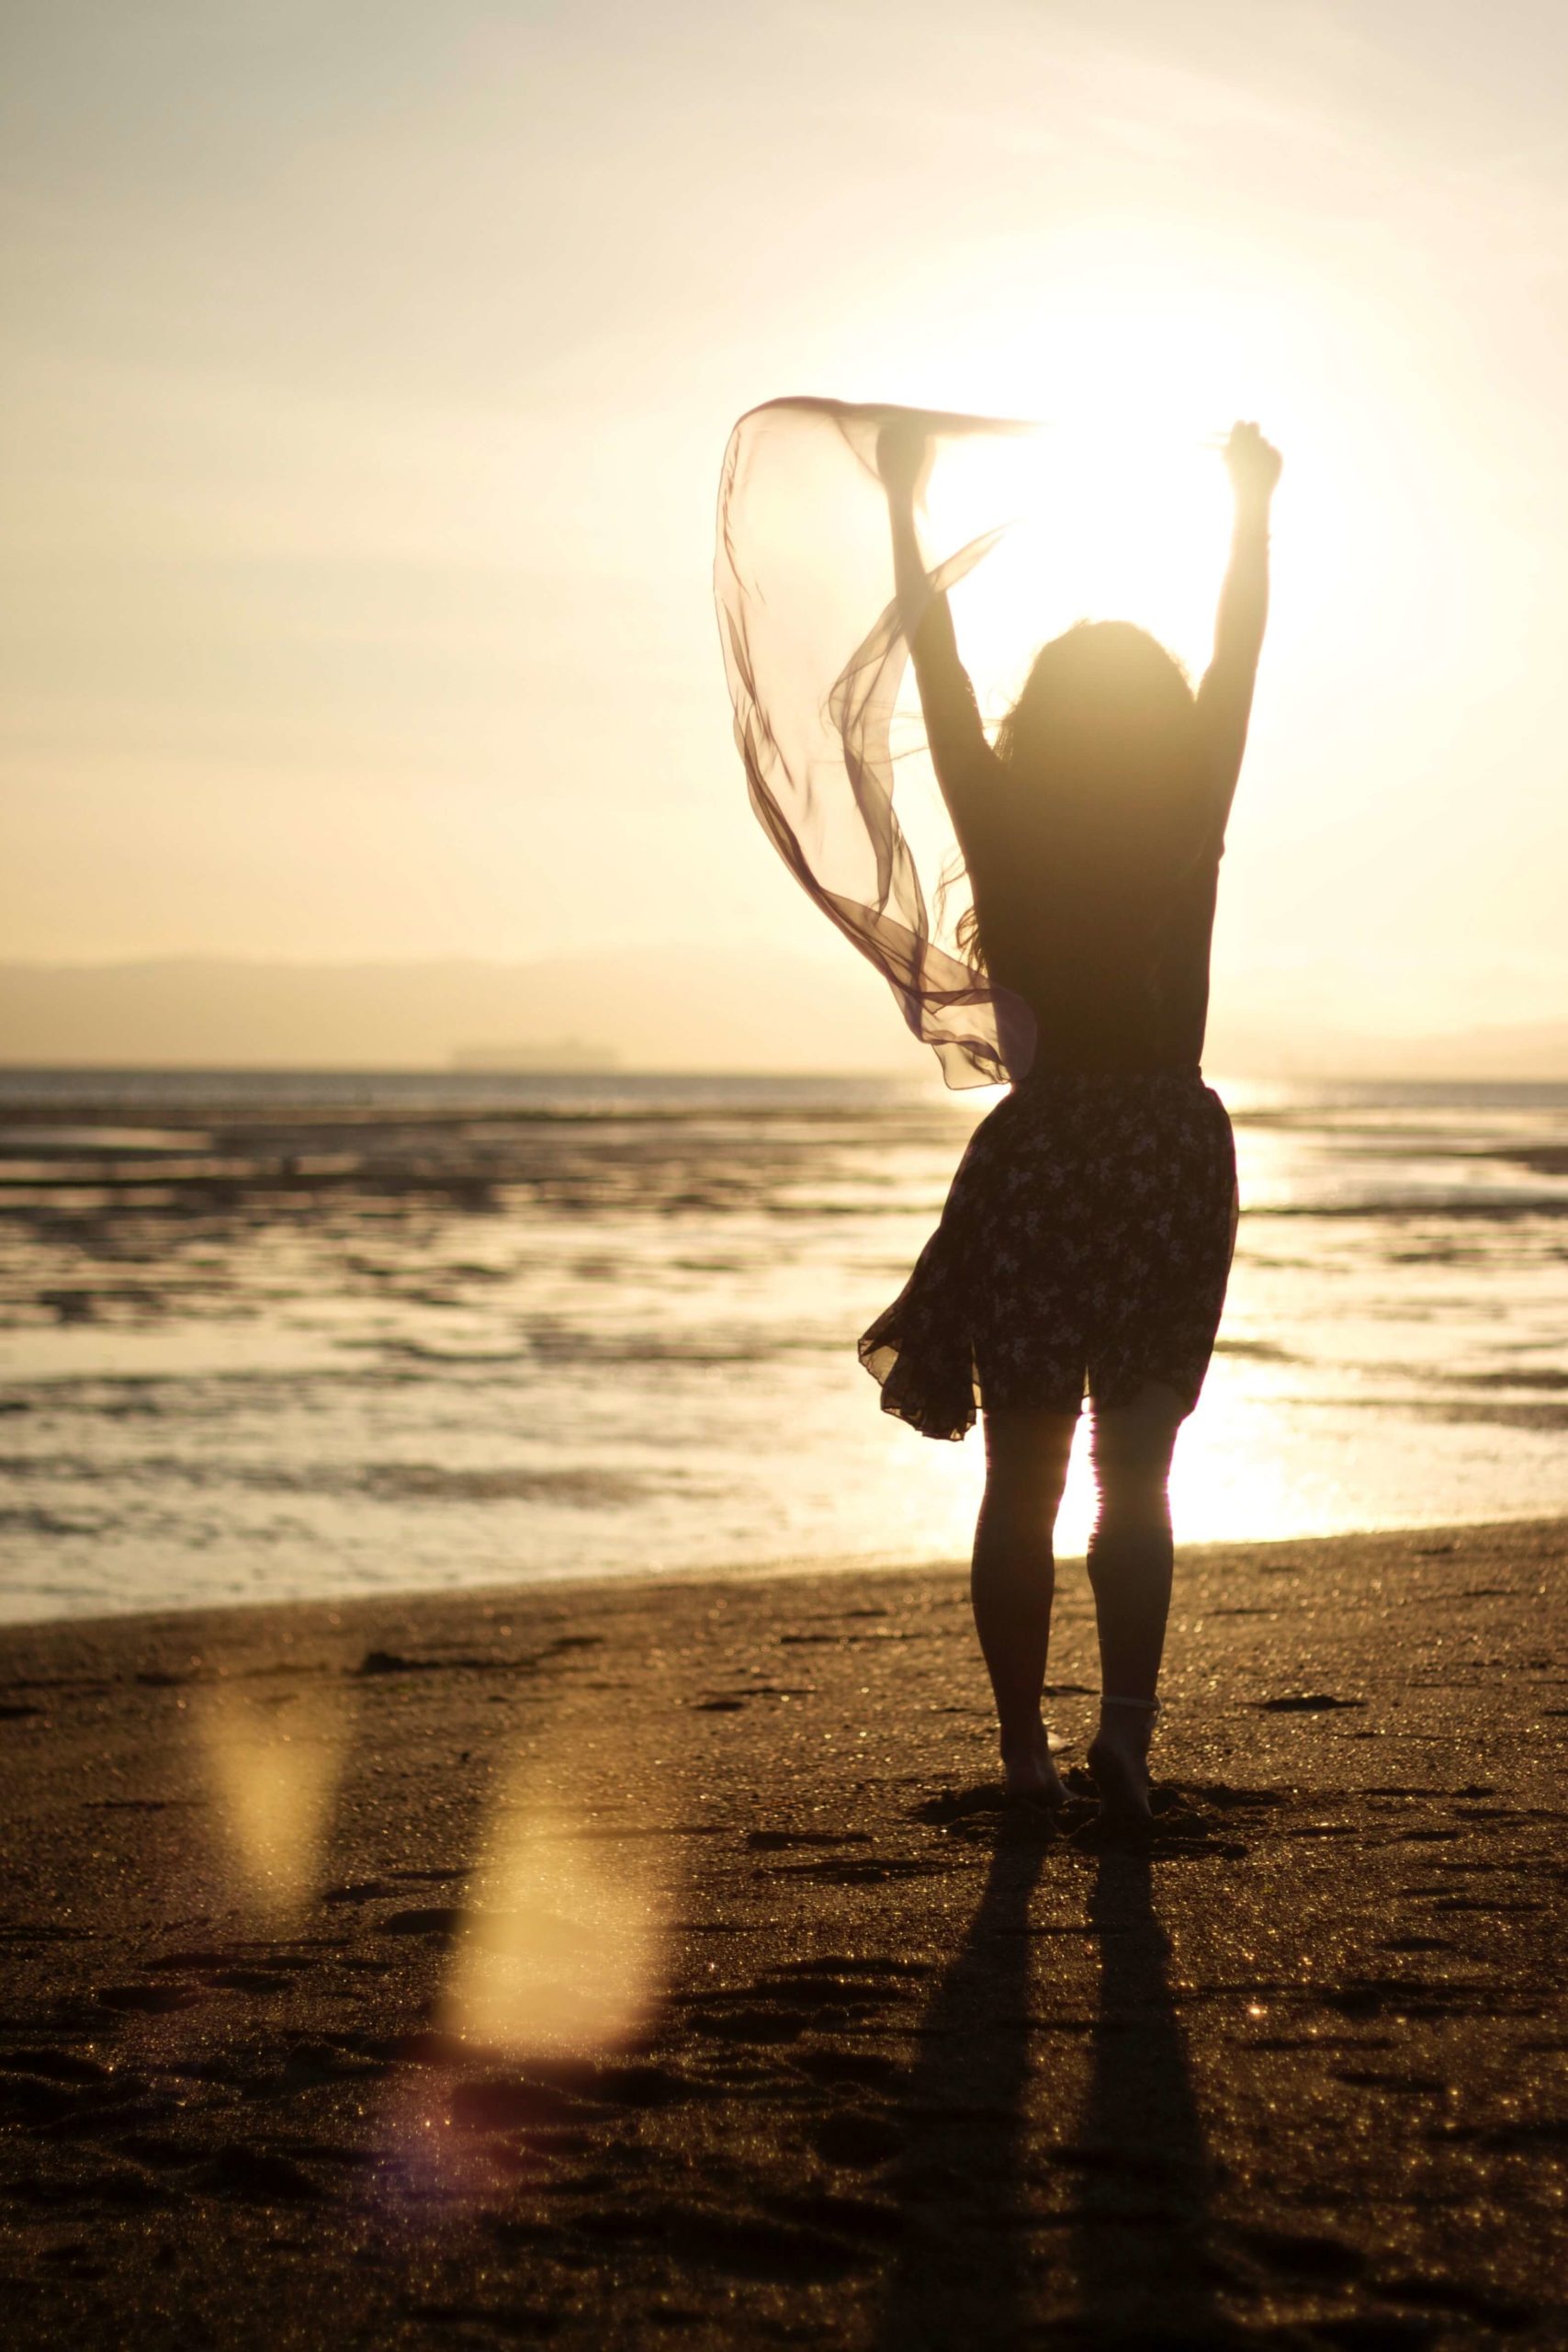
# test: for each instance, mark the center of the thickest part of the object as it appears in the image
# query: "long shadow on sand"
(963, 2274)
(991, 2248)
(1141, 2214)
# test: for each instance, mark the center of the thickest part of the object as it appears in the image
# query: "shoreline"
(585, 1965)
(828, 1567)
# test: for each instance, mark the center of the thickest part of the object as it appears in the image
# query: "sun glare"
(1135, 365)
(1105, 524)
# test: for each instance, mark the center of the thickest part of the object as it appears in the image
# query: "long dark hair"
(1104, 742)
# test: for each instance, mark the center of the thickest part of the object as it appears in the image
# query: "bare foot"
(1032, 1772)
(1118, 1758)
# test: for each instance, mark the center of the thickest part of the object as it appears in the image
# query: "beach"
(608, 1962)
(683, 683)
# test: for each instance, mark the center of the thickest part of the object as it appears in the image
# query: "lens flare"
(273, 1771)
(560, 1955)
(558, 1964)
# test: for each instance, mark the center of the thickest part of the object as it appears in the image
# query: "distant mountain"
(566, 1054)
(1530, 1051)
(667, 1007)
(676, 1008)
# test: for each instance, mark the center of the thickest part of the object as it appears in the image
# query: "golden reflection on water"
(1249, 1466)
(272, 1769)
(1231, 1481)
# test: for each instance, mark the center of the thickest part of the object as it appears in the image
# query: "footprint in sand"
(1305, 1702)
(149, 2000)
(862, 2141)
(257, 2176)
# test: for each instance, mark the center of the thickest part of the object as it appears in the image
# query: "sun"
(1104, 523)
(1106, 520)
(1135, 363)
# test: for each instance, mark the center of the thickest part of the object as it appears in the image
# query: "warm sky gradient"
(369, 368)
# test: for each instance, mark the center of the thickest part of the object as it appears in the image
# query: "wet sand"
(611, 1964)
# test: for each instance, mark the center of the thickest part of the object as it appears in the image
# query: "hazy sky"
(369, 369)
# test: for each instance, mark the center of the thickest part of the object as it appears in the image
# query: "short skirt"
(1086, 1242)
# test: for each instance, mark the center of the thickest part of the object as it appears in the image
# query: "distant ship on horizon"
(566, 1054)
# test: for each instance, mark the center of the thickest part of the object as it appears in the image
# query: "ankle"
(1126, 1723)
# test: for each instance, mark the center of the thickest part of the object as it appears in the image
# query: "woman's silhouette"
(1087, 1238)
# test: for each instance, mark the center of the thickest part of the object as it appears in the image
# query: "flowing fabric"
(814, 648)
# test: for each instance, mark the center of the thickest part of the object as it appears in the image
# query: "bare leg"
(1013, 1581)
(1130, 1569)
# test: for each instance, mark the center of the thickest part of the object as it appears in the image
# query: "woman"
(1088, 1236)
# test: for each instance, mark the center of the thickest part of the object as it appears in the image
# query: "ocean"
(266, 1337)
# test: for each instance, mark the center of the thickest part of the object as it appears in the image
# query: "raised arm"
(1224, 699)
(960, 753)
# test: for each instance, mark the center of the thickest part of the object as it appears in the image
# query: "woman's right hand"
(903, 459)
(1253, 464)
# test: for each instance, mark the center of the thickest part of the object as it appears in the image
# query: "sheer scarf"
(816, 646)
